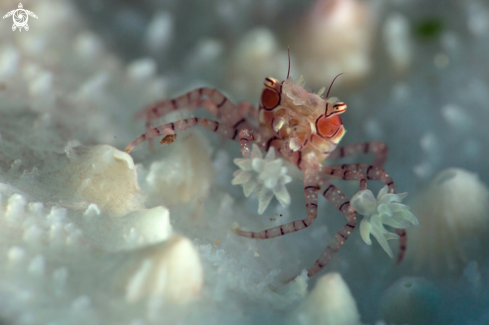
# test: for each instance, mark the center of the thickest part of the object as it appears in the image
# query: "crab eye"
(339, 107)
(269, 99)
(334, 108)
(269, 82)
(327, 127)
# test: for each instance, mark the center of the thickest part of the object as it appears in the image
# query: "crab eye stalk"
(334, 109)
(339, 108)
(269, 82)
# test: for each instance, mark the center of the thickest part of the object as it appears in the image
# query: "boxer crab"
(304, 129)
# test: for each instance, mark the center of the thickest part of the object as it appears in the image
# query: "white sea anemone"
(386, 209)
(265, 177)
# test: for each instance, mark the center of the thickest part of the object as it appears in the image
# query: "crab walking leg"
(345, 174)
(377, 173)
(211, 99)
(174, 127)
(370, 172)
(402, 244)
(245, 138)
(311, 193)
(379, 148)
(342, 203)
(149, 125)
(249, 110)
(232, 115)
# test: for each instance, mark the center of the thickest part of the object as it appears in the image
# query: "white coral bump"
(386, 209)
(265, 177)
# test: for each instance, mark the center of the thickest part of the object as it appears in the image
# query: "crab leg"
(345, 174)
(211, 99)
(149, 125)
(377, 173)
(245, 138)
(370, 172)
(342, 203)
(172, 128)
(311, 193)
(402, 244)
(379, 148)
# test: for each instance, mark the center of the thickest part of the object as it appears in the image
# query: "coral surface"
(92, 235)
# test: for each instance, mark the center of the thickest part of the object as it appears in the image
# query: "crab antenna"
(288, 53)
(327, 95)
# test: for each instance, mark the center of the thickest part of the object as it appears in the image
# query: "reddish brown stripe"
(366, 148)
(269, 142)
(324, 193)
(238, 123)
(299, 159)
(368, 169)
(341, 206)
(222, 103)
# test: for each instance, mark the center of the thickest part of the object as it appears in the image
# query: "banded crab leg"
(379, 148)
(169, 130)
(377, 173)
(211, 99)
(345, 174)
(148, 124)
(342, 203)
(311, 188)
(311, 194)
(245, 139)
(312, 184)
(369, 172)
